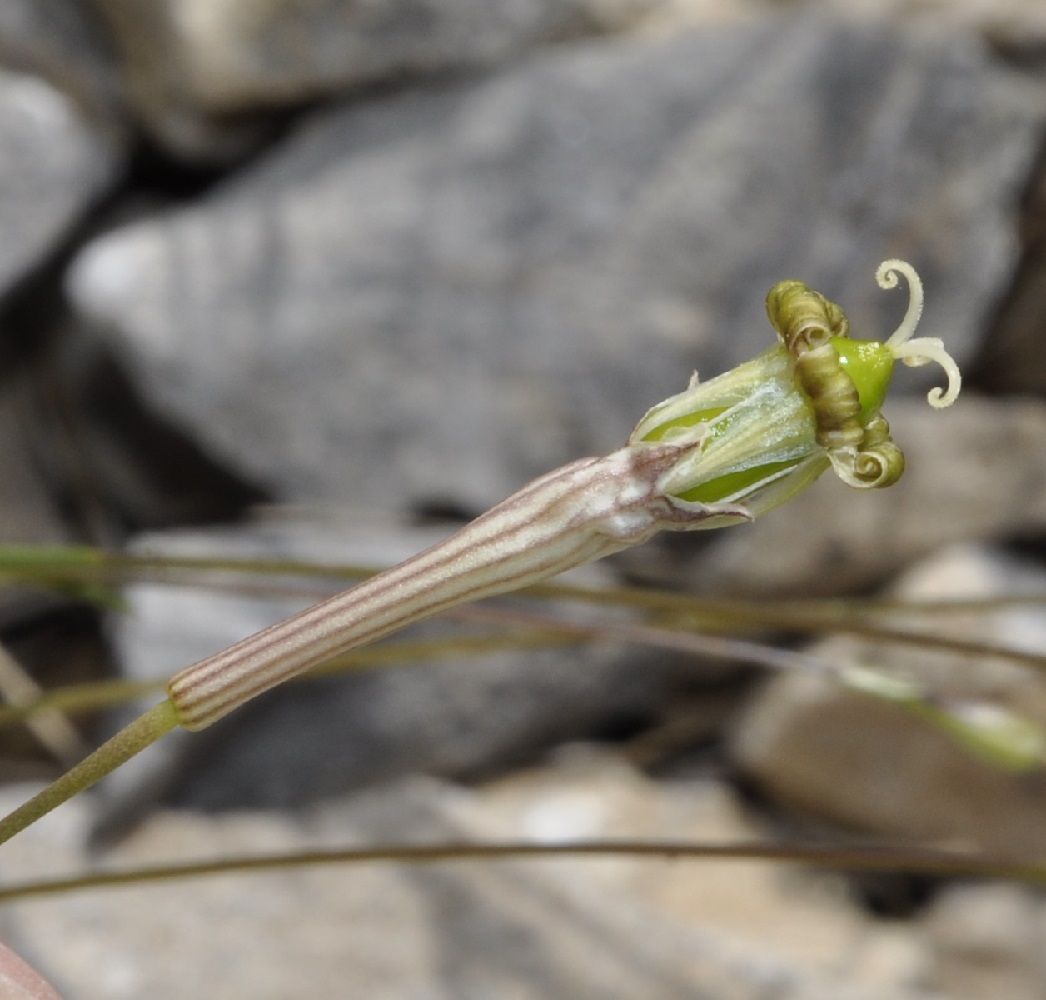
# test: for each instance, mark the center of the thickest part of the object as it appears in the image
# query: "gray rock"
(974, 472)
(28, 510)
(1013, 25)
(239, 55)
(532, 929)
(441, 294)
(61, 134)
(1011, 360)
(62, 42)
(838, 755)
(191, 64)
(54, 162)
(50, 635)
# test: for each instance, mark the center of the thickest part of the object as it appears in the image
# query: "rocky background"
(371, 265)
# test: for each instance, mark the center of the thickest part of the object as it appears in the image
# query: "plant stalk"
(146, 729)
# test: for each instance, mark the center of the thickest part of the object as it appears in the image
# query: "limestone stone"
(64, 43)
(986, 940)
(191, 64)
(549, 929)
(833, 754)
(54, 162)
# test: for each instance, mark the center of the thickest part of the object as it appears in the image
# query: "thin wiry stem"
(541, 630)
(67, 566)
(105, 694)
(146, 729)
(858, 857)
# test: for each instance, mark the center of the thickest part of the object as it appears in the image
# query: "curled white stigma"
(920, 350)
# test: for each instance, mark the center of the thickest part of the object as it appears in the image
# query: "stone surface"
(986, 941)
(1011, 359)
(61, 135)
(191, 63)
(50, 636)
(29, 513)
(443, 293)
(538, 929)
(54, 162)
(974, 472)
(836, 755)
(795, 915)
(1014, 24)
(63, 42)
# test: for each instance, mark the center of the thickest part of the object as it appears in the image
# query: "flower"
(717, 454)
(765, 430)
(720, 453)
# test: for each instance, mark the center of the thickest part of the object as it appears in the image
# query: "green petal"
(718, 490)
(870, 366)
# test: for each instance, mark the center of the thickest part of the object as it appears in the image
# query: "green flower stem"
(132, 739)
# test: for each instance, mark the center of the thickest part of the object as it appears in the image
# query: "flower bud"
(768, 428)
